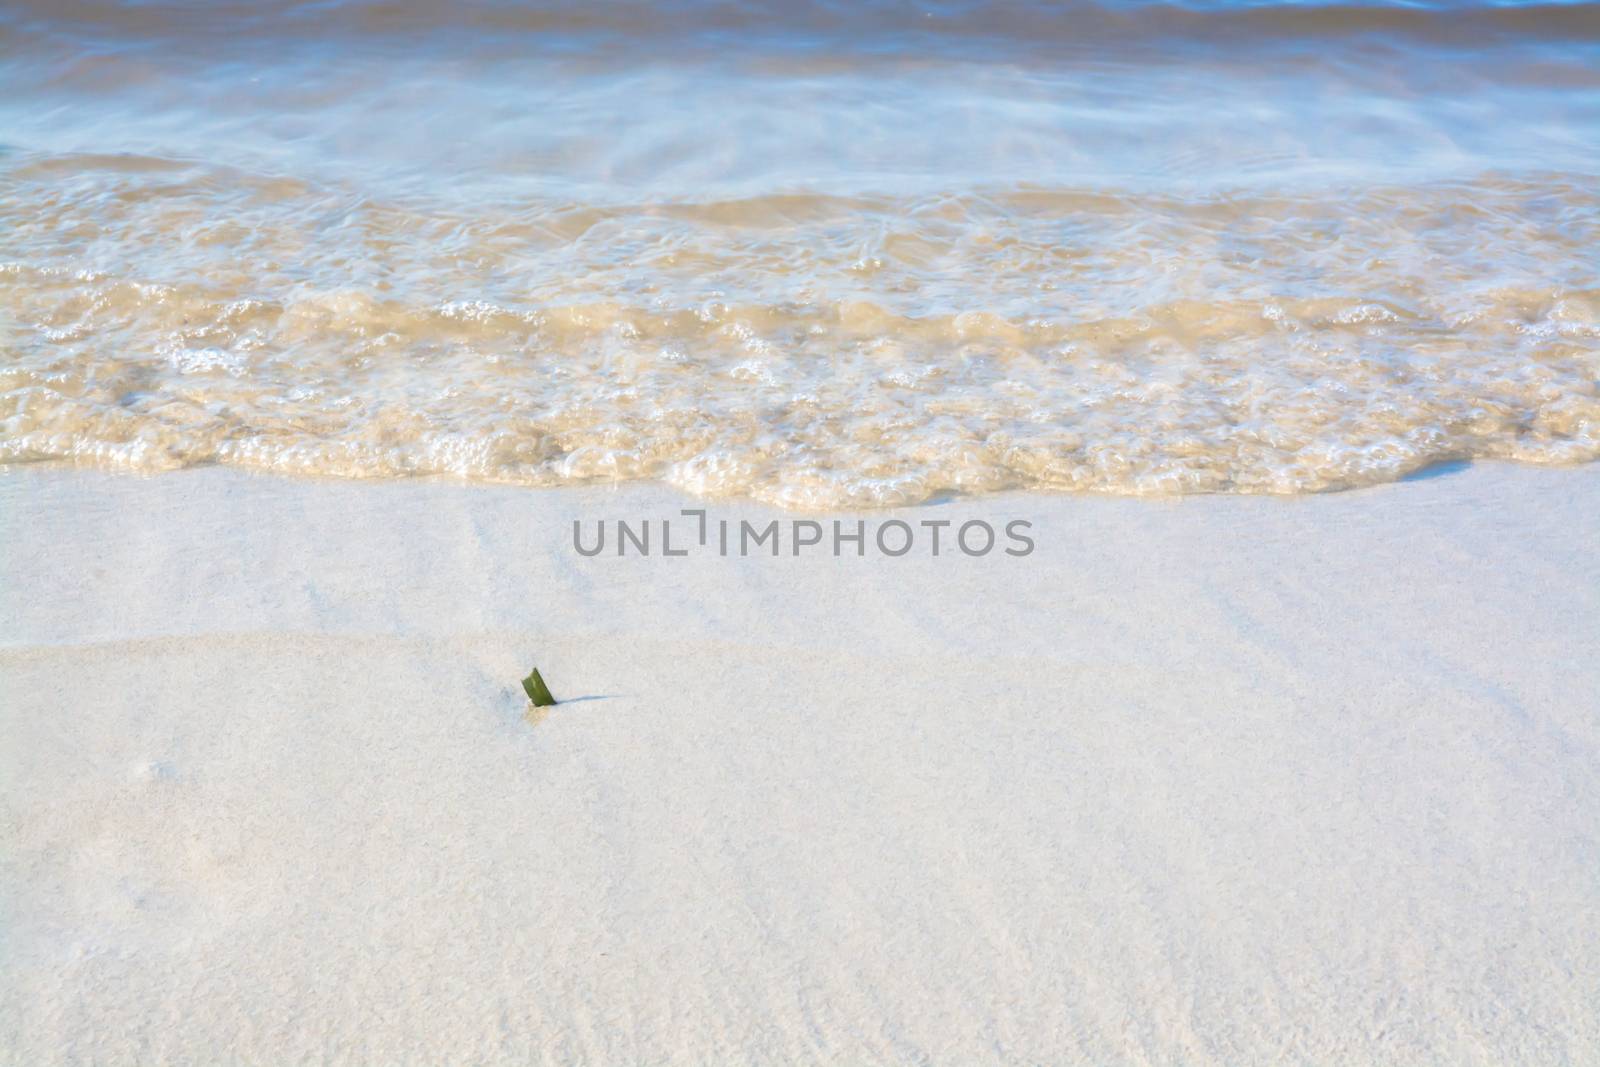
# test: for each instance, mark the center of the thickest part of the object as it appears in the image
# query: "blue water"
(821, 254)
(706, 100)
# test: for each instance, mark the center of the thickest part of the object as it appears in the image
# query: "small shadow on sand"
(1438, 470)
(533, 716)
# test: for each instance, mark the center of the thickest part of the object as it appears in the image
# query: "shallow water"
(837, 254)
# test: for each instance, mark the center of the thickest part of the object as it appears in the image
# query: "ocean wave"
(854, 27)
(806, 350)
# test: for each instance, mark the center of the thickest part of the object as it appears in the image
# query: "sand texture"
(1221, 781)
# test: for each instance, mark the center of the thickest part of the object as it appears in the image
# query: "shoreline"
(1208, 779)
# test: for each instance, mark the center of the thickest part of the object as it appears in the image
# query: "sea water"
(821, 255)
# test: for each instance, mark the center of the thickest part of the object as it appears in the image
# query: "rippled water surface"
(814, 254)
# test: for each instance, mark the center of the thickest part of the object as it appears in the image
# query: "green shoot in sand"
(537, 691)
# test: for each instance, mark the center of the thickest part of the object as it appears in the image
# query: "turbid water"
(852, 254)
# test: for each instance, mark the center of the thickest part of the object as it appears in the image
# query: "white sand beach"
(1223, 780)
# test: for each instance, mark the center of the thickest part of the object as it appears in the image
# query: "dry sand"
(1225, 780)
